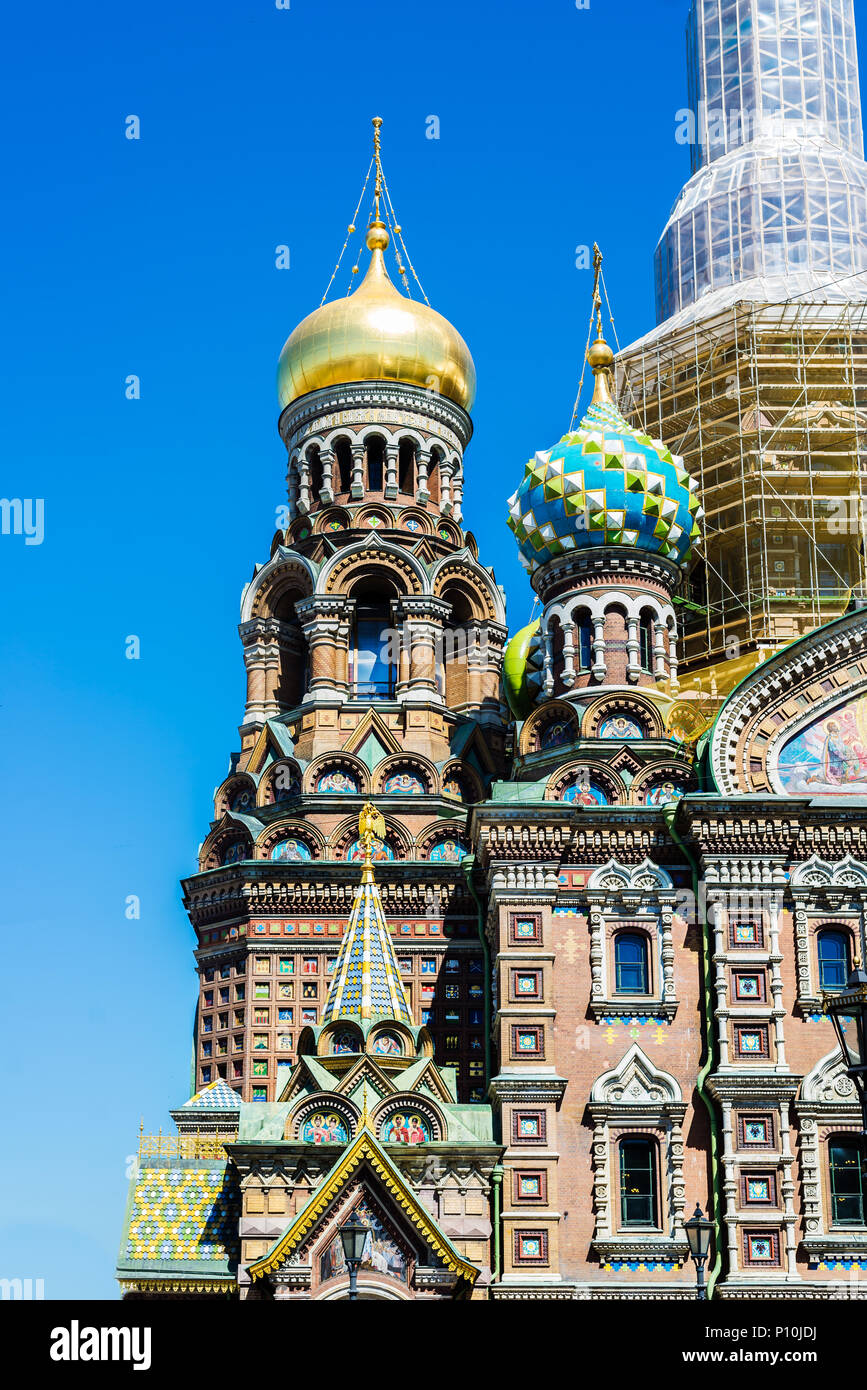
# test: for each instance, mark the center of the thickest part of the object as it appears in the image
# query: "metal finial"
(377, 155)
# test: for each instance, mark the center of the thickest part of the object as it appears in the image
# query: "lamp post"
(353, 1234)
(848, 1012)
(698, 1232)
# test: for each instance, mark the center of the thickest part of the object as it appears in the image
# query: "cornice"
(301, 417)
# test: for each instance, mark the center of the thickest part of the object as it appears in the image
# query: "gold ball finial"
(377, 235)
(599, 355)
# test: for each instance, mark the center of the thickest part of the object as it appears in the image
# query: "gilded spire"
(599, 354)
(366, 983)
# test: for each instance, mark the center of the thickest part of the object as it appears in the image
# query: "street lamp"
(353, 1234)
(848, 1011)
(698, 1232)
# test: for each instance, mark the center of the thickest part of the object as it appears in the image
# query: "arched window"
(645, 642)
(630, 964)
(314, 463)
(343, 458)
(638, 1187)
(373, 668)
(406, 467)
(584, 641)
(833, 952)
(375, 462)
(846, 1164)
(433, 476)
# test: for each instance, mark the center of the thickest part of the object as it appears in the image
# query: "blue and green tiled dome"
(605, 484)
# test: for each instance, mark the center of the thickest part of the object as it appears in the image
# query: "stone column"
(421, 622)
(730, 1189)
(633, 651)
(391, 452)
(672, 660)
(357, 489)
(659, 650)
(548, 661)
(778, 1013)
(327, 623)
(292, 489)
(327, 491)
(422, 459)
(457, 511)
(303, 486)
(600, 669)
(568, 672)
(445, 487)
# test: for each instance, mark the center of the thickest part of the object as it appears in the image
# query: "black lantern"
(698, 1232)
(848, 1012)
(353, 1235)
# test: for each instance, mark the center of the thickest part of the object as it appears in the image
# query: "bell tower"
(373, 641)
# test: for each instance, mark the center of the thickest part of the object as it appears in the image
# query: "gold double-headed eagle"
(371, 826)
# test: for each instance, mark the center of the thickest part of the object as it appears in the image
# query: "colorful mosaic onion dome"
(605, 484)
(376, 334)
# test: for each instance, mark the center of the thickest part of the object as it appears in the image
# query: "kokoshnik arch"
(513, 949)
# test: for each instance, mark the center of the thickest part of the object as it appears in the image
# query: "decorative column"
(596, 922)
(421, 622)
(788, 1187)
(730, 1188)
(633, 666)
(600, 669)
(326, 622)
(659, 650)
(303, 486)
(292, 489)
(357, 489)
(568, 673)
(548, 661)
(326, 493)
(391, 453)
(778, 1013)
(445, 487)
(422, 459)
(457, 511)
(672, 658)
(667, 906)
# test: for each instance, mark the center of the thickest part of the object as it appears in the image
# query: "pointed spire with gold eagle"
(366, 983)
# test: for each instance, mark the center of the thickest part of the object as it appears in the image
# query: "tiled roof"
(182, 1211)
(366, 980)
(217, 1096)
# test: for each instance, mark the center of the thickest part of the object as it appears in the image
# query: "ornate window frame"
(824, 894)
(827, 1105)
(640, 898)
(637, 1098)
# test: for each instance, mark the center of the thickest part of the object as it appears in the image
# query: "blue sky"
(156, 258)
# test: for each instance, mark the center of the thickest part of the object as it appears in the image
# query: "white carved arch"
(818, 873)
(379, 549)
(614, 877)
(635, 1081)
(828, 1083)
(282, 558)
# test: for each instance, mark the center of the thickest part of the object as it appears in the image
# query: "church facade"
(507, 946)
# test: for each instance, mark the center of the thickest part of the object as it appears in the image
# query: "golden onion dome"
(376, 334)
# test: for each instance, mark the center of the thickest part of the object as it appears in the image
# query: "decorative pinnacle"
(371, 826)
(599, 355)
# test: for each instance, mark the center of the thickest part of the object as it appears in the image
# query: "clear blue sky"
(156, 258)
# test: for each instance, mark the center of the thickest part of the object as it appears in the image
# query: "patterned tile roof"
(217, 1096)
(366, 980)
(605, 484)
(182, 1212)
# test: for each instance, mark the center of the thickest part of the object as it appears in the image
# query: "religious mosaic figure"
(293, 850)
(829, 755)
(404, 782)
(337, 781)
(583, 792)
(618, 726)
(324, 1129)
(448, 852)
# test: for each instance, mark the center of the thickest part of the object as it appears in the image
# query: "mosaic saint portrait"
(294, 850)
(403, 782)
(324, 1127)
(235, 853)
(448, 851)
(665, 791)
(403, 1128)
(242, 800)
(337, 781)
(829, 756)
(379, 852)
(583, 792)
(381, 1251)
(619, 726)
(387, 1045)
(555, 734)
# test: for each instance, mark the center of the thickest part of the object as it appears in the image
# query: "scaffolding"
(767, 404)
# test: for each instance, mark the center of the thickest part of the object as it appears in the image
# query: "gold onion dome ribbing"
(376, 334)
